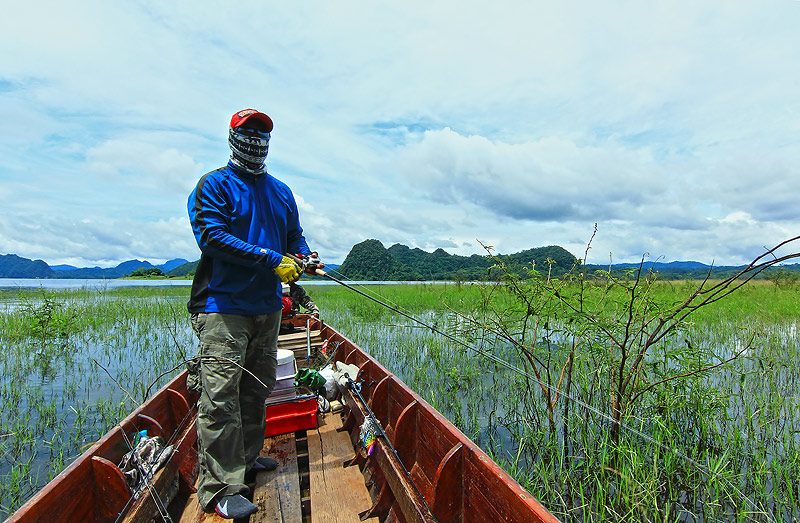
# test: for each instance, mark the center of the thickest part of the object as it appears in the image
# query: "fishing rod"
(355, 387)
(309, 265)
(309, 268)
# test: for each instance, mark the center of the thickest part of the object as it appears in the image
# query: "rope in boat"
(160, 507)
(513, 368)
(157, 501)
(159, 504)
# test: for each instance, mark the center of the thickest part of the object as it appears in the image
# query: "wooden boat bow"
(422, 468)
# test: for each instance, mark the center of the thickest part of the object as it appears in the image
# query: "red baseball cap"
(240, 117)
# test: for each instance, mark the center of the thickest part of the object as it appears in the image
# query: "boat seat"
(298, 342)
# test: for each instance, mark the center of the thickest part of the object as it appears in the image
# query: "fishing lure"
(368, 436)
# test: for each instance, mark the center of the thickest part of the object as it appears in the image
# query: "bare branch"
(687, 374)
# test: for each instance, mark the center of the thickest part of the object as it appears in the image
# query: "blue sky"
(675, 126)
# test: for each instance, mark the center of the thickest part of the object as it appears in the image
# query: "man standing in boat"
(244, 220)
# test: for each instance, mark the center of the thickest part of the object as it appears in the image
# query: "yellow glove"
(288, 270)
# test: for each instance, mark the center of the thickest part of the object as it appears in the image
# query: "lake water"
(97, 283)
(57, 394)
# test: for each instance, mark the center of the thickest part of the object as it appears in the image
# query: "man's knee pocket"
(208, 408)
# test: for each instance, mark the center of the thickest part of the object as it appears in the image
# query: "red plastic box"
(291, 416)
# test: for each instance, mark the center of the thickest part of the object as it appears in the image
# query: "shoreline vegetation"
(371, 261)
(719, 444)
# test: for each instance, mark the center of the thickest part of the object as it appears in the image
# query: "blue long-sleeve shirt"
(243, 225)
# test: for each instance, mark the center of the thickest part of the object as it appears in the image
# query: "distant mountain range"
(370, 260)
(690, 270)
(666, 265)
(13, 266)
(168, 266)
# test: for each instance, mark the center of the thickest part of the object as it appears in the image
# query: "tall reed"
(721, 445)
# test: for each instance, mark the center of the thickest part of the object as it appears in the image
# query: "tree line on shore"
(369, 260)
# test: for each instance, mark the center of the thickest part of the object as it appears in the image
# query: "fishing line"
(198, 357)
(501, 362)
(366, 287)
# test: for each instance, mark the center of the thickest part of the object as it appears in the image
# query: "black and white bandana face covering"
(249, 149)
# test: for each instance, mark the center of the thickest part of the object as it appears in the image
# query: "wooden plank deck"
(338, 494)
(277, 493)
(297, 342)
(194, 514)
(310, 483)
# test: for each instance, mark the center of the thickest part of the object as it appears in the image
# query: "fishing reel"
(310, 263)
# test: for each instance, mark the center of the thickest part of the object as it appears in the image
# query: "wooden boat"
(420, 469)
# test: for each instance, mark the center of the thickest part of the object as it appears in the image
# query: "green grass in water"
(738, 424)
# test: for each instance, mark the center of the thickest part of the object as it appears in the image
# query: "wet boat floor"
(310, 483)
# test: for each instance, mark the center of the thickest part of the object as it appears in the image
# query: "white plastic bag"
(330, 382)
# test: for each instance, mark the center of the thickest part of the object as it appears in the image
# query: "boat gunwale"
(469, 446)
(103, 447)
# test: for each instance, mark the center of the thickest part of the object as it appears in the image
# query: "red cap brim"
(240, 117)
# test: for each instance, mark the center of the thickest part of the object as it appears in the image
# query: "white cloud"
(738, 218)
(97, 240)
(153, 167)
(548, 180)
(430, 124)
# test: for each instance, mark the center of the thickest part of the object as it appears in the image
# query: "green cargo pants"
(230, 420)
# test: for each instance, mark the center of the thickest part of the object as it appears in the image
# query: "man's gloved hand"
(288, 270)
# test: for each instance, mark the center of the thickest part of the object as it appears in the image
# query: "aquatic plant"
(738, 422)
(66, 358)
(709, 437)
(619, 358)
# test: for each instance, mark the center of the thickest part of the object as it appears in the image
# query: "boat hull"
(421, 467)
(427, 469)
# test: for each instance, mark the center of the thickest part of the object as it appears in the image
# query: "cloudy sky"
(672, 125)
